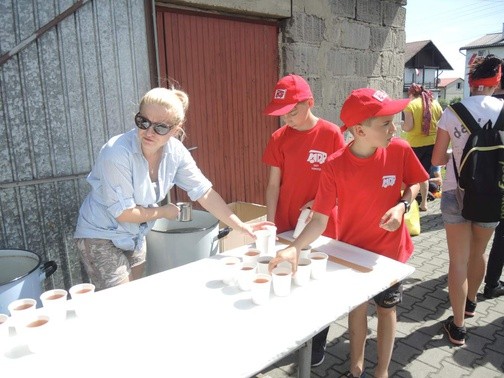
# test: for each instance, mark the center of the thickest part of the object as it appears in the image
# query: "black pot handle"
(223, 232)
(49, 268)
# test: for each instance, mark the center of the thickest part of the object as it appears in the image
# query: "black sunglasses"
(160, 128)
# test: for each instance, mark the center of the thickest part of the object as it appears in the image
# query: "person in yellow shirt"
(420, 127)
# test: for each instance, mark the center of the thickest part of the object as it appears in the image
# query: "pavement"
(421, 347)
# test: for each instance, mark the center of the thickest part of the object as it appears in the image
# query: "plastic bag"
(412, 219)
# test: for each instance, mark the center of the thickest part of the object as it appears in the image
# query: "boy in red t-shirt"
(296, 153)
(366, 179)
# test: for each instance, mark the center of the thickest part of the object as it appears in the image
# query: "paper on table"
(337, 260)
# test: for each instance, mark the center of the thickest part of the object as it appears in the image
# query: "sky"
(452, 24)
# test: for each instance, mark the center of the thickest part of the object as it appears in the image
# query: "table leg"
(304, 360)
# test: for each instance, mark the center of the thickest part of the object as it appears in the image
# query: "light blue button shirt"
(120, 180)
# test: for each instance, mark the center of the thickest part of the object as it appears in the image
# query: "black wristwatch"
(406, 205)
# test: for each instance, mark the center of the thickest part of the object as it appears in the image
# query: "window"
(459, 85)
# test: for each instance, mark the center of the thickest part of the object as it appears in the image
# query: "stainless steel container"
(185, 214)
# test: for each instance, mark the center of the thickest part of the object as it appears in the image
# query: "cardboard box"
(247, 212)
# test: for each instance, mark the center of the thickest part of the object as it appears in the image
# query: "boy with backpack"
(470, 216)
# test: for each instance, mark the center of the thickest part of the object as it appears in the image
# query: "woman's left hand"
(249, 228)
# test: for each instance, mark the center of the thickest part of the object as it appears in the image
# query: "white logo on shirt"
(317, 157)
(388, 181)
(280, 94)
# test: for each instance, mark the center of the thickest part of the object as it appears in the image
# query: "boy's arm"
(310, 233)
(392, 219)
(273, 192)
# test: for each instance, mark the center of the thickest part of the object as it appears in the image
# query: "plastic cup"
(318, 264)
(282, 280)
(21, 309)
(230, 267)
(271, 251)
(303, 272)
(37, 332)
(262, 241)
(305, 252)
(246, 275)
(82, 294)
(4, 326)
(263, 264)
(260, 289)
(54, 304)
(251, 255)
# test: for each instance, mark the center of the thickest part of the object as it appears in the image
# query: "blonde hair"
(173, 100)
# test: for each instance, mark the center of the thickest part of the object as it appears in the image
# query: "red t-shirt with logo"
(366, 188)
(300, 156)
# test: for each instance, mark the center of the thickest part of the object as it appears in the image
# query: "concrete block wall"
(343, 45)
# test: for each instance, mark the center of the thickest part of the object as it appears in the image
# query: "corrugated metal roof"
(493, 39)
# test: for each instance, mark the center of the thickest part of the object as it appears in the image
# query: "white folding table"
(184, 322)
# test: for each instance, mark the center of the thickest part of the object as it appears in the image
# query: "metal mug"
(185, 214)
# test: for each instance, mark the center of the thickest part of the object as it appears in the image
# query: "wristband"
(406, 205)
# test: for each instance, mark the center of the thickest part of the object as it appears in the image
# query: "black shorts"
(390, 297)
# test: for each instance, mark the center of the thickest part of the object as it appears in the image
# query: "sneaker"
(317, 356)
(494, 292)
(470, 309)
(348, 374)
(456, 335)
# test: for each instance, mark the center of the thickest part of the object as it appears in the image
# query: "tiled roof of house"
(444, 82)
(420, 54)
(492, 39)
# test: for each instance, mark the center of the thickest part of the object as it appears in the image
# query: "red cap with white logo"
(289, 91)
(365, 103)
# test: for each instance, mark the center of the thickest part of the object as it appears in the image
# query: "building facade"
(72, 74)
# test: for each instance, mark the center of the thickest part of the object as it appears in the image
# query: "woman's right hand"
(170, 211)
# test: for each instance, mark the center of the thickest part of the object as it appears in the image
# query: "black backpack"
(482, 168)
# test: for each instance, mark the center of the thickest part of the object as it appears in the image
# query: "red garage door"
(229, 67)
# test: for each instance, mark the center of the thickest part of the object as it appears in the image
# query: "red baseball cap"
(289, 91)
(365, 103)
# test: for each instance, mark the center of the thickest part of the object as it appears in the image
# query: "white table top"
(185, 322)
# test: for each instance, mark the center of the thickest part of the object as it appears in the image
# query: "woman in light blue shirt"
(132, 174)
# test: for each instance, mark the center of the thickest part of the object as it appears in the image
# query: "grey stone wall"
(343, 45)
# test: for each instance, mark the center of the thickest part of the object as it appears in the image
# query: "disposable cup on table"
(37, 332)
(4, 326)
(282, 281)
(251, 255)
(82, 295)
(318, 264)
(305, 252)
(303, 272)
(21, 309)
(245, 275)
(263, 264)
(229, 268)
(54, 304)
(261, 289)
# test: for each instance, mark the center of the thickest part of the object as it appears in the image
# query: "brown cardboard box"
(247, 212)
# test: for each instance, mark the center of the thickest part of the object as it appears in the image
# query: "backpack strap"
(499, 124)
(468, 120)
(465, 117)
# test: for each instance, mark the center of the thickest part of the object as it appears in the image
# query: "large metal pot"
(171, 243)
(21, 276)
